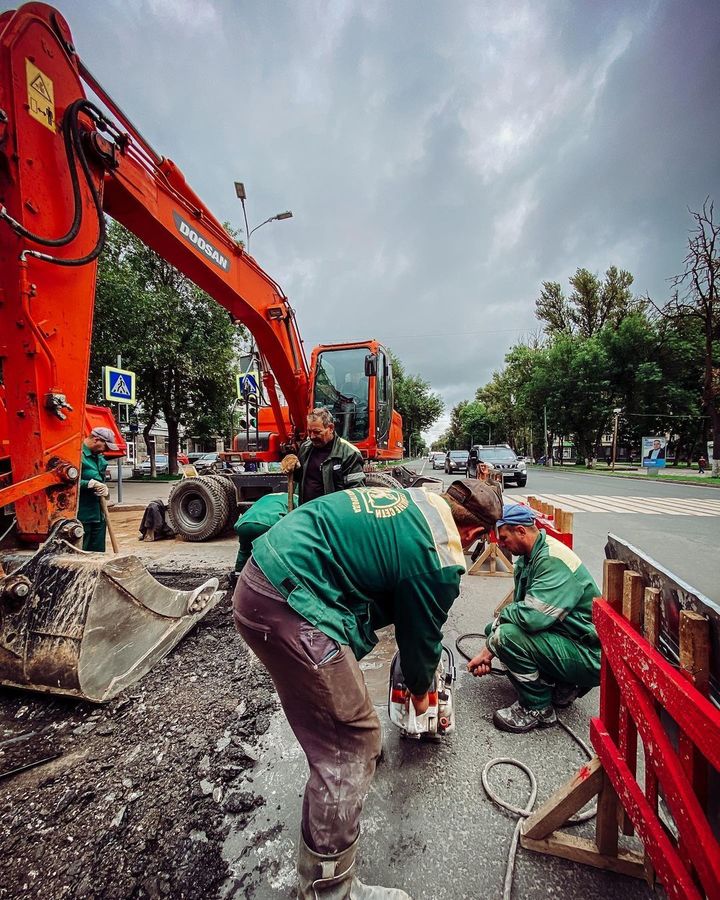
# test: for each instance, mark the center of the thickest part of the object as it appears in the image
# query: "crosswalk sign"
(119, 385)
(247, 384)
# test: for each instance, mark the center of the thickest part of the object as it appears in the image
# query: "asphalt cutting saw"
(439, 719)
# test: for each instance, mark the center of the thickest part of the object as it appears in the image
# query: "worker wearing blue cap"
(545, 638)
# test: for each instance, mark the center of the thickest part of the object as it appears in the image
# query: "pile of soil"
(134, 799)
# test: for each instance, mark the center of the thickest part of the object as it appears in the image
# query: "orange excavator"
(80, 623)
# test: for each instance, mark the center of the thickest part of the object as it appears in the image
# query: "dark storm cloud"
(441, 160)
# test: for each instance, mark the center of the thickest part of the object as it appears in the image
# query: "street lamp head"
(284, 215)
(240, 190)
(617, 410)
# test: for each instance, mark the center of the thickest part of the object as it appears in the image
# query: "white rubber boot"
(331, 877)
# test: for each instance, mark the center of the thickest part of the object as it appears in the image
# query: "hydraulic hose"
(73, 147)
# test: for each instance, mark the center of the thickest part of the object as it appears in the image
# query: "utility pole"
(616, 413)
(548, 460)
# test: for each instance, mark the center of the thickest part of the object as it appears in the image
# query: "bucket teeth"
(89, 625)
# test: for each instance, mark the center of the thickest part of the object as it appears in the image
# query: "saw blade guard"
(440, 717)
(88, 625)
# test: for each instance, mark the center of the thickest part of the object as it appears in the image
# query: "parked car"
(456, 461)
(438, 460)
(161, 465)
(206, 462)
(111, 471)
(504, 461)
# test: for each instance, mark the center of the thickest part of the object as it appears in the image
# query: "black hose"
(73, 147)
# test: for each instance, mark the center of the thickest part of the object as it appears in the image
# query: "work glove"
(289, 463)
(102, 490)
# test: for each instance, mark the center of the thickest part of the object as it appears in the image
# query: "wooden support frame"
(491, 556)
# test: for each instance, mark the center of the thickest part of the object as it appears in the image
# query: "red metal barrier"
(645, 697)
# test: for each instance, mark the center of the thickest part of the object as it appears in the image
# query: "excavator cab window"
(341, 386)
(384, 401)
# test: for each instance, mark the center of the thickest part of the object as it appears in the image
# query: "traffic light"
(252, 410)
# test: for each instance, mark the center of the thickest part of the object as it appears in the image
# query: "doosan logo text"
(202, 243)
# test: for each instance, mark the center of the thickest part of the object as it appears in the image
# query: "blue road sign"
(119, 385)
(247, 384)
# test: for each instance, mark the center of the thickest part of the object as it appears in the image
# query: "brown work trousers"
(326, 701)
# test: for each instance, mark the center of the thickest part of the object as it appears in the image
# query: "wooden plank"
(569, 523)
(606, 826)
(565, 802)
(651, 630)
(633, 598)
(651, 618)
(491, 555)
(695, 664)
(613, 572)
(632, 609)
(568, 846)
(506, 601)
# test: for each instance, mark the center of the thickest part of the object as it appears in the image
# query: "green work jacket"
(93, 466)
(357, 560)
(261, 516)
(553, 590)
(342, 469)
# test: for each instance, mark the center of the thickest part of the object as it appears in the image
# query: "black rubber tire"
(521, 482)
(381, 479)
(229, 489)
(198, 508)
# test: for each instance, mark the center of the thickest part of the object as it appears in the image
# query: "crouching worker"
(545, 638)
(308, 602)
(261, 516)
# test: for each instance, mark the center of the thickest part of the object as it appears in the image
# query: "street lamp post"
(616, 413)
(242, 197)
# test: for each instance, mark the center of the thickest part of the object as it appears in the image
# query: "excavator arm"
(64, 163)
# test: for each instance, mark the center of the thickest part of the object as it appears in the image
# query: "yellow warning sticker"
(41, 96)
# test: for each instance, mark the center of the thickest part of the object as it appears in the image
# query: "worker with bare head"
(308, 603)
(93, 487)
(325, 462)
(545, 637)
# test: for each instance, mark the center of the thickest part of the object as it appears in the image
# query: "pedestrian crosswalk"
(648, 506)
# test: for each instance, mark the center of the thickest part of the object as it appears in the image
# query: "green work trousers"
(538, 661)
(94, 537)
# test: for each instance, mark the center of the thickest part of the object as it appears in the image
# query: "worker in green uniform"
(319, 584)
(93, 487)
(545, 638)
(325, 462)
(261, 516)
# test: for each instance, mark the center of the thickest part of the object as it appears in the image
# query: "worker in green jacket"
(325, 462)
(261, 516)
(308, 603)
(545, 638)
(93, 487)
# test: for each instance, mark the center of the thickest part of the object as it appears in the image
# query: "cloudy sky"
(441, 159)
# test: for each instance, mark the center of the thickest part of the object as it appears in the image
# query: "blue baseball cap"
(516, 514)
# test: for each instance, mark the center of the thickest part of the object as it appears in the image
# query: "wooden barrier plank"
(675, 877)
(651, 630)
(613, 573)
(693, 828)
(694, 713)
(632, 610)
(606, 826)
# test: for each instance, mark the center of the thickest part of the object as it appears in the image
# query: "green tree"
(591, 305)
(181, 344)
(697, 298)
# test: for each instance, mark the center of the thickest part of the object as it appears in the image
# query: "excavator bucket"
(87, 625)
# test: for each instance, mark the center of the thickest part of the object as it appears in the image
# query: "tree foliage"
(181, 344)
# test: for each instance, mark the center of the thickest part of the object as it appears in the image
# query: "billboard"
(653, 452)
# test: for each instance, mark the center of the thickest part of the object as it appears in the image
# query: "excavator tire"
(198, 508)
(231, 493)
(381, 479)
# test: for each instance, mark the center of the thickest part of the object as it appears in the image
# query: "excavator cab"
(354, 382)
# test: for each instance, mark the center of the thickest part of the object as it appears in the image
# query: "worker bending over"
(261, 516)
(545, 638)
(318, 585)
(325, 462)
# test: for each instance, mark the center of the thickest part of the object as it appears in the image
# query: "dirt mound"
(134, 799)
